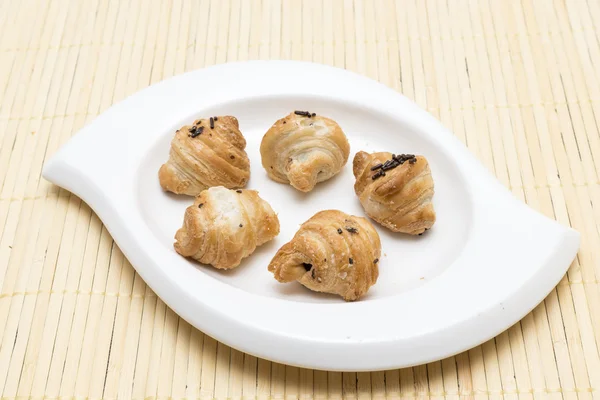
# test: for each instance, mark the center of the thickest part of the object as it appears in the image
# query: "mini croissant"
(208, 153)
(332, 252)
(224, 226)
(303, 149)
(395, 191)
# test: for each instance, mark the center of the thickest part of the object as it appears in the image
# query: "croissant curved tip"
(286, 272)
(162, 172)
(169, 181)
(286, 266)
(300, 180)
(183, 242)
(304, 187)
(358, 164)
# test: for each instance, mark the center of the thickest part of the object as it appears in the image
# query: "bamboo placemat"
(517, 81)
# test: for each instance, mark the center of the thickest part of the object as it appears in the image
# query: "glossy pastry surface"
(395, 190)
(303, 149)
(211, 152)
(332, 252)
(223, 226)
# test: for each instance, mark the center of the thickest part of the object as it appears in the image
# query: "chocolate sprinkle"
(197, 132)
(232, 157)
(284, 122)
(375, 261)
(350, 261)
(239, 191)
(212, 123)
(241, 225)
(352, 230)
(395, 161)
(216, 118)
(305, 113)
(192, 129)
(379, 173)
(339, 231)
(307, 266)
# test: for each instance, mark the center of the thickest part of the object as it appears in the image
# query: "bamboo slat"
(516, 81)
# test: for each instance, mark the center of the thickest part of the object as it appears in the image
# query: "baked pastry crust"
(332, 252)
(400, 200)
(223, 226)
(203, 157)
(303, 150)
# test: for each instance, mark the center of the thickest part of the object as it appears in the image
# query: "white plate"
(486, 263)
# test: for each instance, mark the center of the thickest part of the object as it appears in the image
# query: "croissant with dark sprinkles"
(395, 191)
(209, 153)
(332, 252)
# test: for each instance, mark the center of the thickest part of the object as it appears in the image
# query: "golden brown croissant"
(223, 226)
(332, 252)
(303, 149)
(395, 191)
(208, 153)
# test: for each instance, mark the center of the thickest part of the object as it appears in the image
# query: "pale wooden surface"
(517, 81)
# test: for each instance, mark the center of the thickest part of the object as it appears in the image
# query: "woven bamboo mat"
(517, 81)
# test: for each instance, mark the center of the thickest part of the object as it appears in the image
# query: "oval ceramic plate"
(486, 263)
